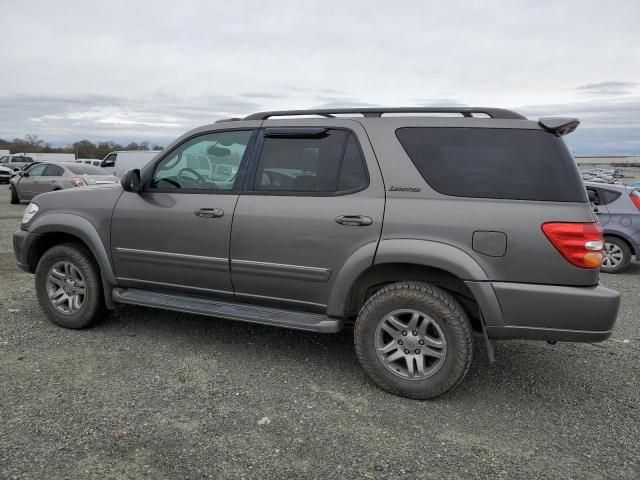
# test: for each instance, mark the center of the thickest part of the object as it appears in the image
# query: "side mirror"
(593, 198)
(131, 181)
(22, 173)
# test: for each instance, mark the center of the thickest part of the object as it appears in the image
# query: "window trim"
(242, 168)
(249, 179)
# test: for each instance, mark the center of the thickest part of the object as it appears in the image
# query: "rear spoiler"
(559, 125)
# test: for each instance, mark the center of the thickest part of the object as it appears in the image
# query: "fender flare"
(402, 250)
(83, 229)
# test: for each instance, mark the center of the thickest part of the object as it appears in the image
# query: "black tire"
(93, 307)
(614, 248)
(453, 324)
(15, 199)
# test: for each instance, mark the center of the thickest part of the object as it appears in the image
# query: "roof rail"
(222, 120)
(378, 112)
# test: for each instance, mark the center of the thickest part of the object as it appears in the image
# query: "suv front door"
(313, 196)
(174, 235)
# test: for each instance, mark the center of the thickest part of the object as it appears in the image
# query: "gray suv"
(412, 229)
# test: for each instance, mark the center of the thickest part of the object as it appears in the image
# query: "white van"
(119, 162)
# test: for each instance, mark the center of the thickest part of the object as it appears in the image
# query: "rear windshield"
(82, 169)
(494, 163)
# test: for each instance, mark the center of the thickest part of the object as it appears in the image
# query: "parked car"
(120, 161)
(45, 177)
(15, 162)
(5, 174)
(410, 229)
(618, 209)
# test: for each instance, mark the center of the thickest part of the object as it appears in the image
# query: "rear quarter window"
(494, 163)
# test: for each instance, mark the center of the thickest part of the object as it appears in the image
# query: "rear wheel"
(15, 199)
(617, 255)
(69, 287)
(414, 340)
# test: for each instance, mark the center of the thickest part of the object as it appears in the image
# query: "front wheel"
(617, 255)
(69, 287)
(414, 340)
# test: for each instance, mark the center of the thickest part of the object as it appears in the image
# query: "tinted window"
(207, 162)
(82, 169)
(608, 196)
(494, 163)
(353, 174)
(301, 164)
(38, 170)
(53, 171)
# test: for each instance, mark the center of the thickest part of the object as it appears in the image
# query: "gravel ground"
(153, 394)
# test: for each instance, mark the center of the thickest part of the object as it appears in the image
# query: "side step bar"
(277, 317)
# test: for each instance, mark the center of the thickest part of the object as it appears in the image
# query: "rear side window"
(608, 196)
(329, 163)
(494, 163)
(53, 171)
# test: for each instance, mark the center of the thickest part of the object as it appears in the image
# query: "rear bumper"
(547, 312)
(22, 243)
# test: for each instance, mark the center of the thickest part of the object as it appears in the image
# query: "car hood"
(83, 201)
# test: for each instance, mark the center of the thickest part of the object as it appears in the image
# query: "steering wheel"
(199, 178)
(172, 182)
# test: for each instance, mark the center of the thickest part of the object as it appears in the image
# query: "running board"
(277, 317)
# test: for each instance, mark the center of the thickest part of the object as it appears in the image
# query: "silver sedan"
(48, 177)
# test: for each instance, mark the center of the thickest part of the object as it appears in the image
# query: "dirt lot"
(152, 394)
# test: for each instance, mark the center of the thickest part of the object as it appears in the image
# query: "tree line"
(82, 148)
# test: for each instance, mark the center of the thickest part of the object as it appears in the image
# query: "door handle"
(354, 220)
(209, 213)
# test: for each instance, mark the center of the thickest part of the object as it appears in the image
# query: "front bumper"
(547, 312)
(22, 249)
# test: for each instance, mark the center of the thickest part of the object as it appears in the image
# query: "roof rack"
(378, 112)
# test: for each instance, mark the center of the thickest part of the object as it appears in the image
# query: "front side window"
(38, 170)
(329, 162)
(207, 162)
(4, 159)
(110, 160)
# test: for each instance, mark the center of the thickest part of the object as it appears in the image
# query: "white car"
(5, 174)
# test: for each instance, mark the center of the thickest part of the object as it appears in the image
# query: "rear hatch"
(508, 193)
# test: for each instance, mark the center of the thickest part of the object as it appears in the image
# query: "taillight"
(581, 244)
(635, 198)
(78, 182)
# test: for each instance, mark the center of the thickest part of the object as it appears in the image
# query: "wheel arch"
(624, 238)
(54, 229)
(366, 271)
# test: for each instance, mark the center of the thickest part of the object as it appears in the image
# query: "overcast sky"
(150, 70)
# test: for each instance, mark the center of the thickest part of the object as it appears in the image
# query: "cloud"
(156, 72)
(160, 118)
(608, 88)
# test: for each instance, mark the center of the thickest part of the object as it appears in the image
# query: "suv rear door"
(313, 196)
(174, 235)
